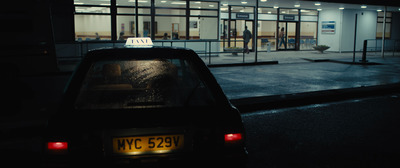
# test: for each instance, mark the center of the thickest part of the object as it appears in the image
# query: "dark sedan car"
(144, 107)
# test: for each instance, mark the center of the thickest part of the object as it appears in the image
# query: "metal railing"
(391, 47)
(208, 50)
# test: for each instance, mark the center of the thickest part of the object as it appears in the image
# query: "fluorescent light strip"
(178, 3)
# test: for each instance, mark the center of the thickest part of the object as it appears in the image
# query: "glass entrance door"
(229, 35)
(233, 37)
(287, 36)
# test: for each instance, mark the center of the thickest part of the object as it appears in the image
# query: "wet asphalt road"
(353, 133)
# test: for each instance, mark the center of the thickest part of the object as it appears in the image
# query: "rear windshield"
(116, 84)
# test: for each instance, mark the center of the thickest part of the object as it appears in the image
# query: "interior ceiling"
(308, 4)
(304, 4)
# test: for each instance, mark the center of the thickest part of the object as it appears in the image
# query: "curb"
(342, 62)
(243, 64)
(356, 63)
(251, 104)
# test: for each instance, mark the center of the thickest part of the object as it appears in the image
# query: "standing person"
(282, 38)
(165, 37)
(121, 36)
(246, 38)
(97, 36)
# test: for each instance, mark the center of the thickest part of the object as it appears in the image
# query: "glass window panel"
(267, 11)
(126, 27)
(144, 26)
(89, 9)
(381, 14)
(203, 13)
(125, 3)
(308, 35)
(242, 9)
(203, 28)
(92, 27)
(170, 4)
(266, 35)
(145, 11)
(93, 2)
(379, 28)
(175, 27)
(309, 18)
(309, 12)
(170, 12)
(224, 9)
(126, 10)
(203, 5)
(289, 11)
(146, 3)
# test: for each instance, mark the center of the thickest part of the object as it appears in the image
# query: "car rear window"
(116, 84)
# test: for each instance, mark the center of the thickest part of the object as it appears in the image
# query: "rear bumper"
(231, 159)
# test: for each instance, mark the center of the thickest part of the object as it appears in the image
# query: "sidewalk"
(297, 75)
(283, 57)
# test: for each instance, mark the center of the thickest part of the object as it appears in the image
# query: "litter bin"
(268, 46)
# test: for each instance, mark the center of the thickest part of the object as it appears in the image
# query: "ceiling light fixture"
(276, 7)
(244, 2)
(297, 5)
(363, 6)
(317, 4)
(341, 8)
(178, 3)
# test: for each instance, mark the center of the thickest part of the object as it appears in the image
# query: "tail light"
(233, 138)
(57, 148)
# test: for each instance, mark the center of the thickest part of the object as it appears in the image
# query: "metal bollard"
(364, 54)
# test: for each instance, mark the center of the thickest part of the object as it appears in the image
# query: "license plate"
(139, 145)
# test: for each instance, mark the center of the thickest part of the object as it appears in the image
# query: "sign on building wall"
(328, 27)
(242, 16)
(289, 17)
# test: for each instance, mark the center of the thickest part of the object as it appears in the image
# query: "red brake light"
(233, 137)
(57, 145)
(57, 148)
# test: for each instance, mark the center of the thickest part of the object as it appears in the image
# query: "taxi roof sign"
(139, 42)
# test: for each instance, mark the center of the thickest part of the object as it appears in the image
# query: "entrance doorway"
(233, 34)
(287, 39)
